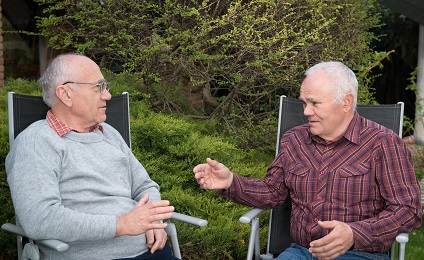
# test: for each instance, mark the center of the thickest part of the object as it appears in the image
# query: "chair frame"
(252, 215)
(118, 116)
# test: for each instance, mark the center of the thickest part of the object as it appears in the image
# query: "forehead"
(86, 68)
(316, 87)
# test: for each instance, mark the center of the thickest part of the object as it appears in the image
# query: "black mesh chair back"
(291, 115)
(26, 109)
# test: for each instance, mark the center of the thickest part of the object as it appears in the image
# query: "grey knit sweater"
(72, 188)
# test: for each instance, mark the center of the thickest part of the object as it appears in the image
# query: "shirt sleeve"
(263, 193)
(400, 188)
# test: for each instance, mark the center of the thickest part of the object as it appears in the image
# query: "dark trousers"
(164, 254)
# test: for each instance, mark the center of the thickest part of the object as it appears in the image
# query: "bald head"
(63, 68)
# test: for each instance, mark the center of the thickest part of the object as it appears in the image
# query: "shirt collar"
(352, 134)
(61, 128)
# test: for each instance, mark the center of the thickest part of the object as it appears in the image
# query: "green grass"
(414, 248)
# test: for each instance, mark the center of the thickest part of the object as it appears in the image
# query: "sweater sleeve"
(33, 166)
(141, 183)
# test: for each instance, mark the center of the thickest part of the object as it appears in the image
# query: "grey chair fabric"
(28, 109)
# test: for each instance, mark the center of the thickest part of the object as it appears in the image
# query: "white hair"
(58, 71)
(343, 79)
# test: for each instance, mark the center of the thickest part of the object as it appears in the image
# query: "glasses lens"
(104, 86)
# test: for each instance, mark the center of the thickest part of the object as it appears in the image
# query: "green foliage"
(414, 248)
(419, 102)
(237, 56)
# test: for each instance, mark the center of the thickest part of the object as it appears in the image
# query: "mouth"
(312, 122)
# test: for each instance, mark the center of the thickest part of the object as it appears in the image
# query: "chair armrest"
(51, 243)
(251, 214)
(13, 229)
(188, 219)
(402, 238)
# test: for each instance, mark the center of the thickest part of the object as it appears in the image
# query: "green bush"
(234, 58)
(169, 147)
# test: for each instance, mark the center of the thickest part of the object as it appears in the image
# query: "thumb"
(143, 200)
(215, 165)
(211, 162)
(327, 224)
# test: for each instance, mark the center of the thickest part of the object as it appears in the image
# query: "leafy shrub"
(235, 57)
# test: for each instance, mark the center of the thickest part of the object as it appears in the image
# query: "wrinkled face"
(326, 119)
(88, 104)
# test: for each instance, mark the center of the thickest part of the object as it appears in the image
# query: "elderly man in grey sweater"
(73, 178)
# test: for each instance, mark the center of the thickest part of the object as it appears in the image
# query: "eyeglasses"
(102, 85)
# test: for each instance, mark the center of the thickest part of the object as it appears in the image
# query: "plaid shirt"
(61, 128)
(365, 179)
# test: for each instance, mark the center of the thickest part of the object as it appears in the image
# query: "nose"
(307, 110)
(106, 95)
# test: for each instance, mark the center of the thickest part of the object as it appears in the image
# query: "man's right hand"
(144, 217)
(213, 175)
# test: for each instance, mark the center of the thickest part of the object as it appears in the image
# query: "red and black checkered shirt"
(365, 179)
(61, 128)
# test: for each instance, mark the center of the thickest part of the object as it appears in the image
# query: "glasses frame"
(101, 85)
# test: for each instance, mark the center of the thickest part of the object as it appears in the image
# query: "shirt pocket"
(297, 180)
(354, 184)
(355, 170)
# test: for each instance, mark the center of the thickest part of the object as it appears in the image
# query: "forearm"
(253, 192)
(378, 234)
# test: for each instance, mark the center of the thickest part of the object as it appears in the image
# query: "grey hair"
(58, 71)
(343, 79)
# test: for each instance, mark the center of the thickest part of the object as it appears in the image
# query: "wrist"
(230, 179)
(119, 226)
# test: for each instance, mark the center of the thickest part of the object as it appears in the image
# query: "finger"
(331, 253)
(158, 204)
(199, 175)
(328, 224)
(159, 244)
(201, 182)
(157, 225)
(150, 238)
(212, 163)
(199, 168)
(158, 214)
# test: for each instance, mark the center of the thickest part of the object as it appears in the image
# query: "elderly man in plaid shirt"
(351, 181)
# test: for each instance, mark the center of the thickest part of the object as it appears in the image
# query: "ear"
(348, 102)
(64, 94)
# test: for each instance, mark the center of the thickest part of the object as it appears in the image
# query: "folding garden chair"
(24, 110)
(291, 115)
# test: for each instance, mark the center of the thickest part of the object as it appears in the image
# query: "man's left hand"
(336, 243)
(156, 239)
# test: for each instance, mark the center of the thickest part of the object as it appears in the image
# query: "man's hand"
(336, 243)
(144, 217)
(213, 175)
(156, 239)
